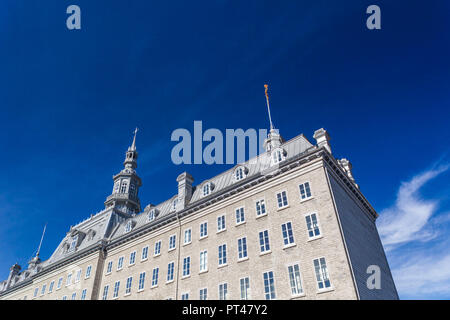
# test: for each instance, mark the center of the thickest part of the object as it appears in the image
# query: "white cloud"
(407, 219)
(423, 274)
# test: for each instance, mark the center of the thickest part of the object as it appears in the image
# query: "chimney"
(184, 190)
(323, 139)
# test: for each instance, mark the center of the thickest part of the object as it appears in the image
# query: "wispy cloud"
(420, 267)
(407, 219)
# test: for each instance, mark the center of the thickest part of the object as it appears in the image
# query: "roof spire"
(266, 86)
(40, 243)
(133, 145)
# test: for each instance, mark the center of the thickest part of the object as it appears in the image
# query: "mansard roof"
(256, 165)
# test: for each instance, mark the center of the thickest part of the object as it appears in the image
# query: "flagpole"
(266, 86)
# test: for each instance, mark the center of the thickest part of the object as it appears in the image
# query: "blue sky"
(69, 101)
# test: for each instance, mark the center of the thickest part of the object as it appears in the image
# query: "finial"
(266, 86)
(133, 146)
(42, 238)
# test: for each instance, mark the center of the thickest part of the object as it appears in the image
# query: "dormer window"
(174, 204)
(277, 156)
(123, 188)
(240, 173)
(128, 226)
(206, 189)
(73, 243)
(152, 215)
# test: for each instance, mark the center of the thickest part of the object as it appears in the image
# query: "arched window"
(123, 188)
(206, 189)
(128, 226)
(240, 173)
(277, 156)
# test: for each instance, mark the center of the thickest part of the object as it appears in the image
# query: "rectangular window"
(172, 242)
(223, 291)
(312, 225)
(128, 286)
(35, 292)
(282, 199)
(203, 294)
(157, 248)
(269, 285)
(50, 288)
(242, 248)
(74, 295)
(221, 223)
(305, 191)
(69, 279)
(245, 288)
(43, 289)
(264, 241)
(141, 281)
(60, 280)
(222, 255)
(186, 266)
(260, 208)
(105, 292)
(120, 263)
(83, 294)
(144, 254)
(109, 267)
(203, 260)
(323, 280)
(64, 297)
(170, 268)
(88, 272)
(240, 215)
(288, 236)
(203, 230)
(295, 280)
(187, 236)
(116, 289)
(132, 258)
(185, 296)
(77, 278)
(155, 277)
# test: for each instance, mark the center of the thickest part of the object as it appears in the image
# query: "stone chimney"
(323, 139)
(347, 166)
(185, 181)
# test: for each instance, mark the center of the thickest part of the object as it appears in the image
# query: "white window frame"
(241, 215)
(88, 272)
(105, 292)
(155, 254)
(265, 251)
(120, 263)
(222, 261)
(83, 294)
(69, 279)
(296, 280)
(51, 286)
(185, 296)
(128, 286)
(314, 237)
(132, 260)
(205, 235)
(224, 219)
(155, 276)
(144, 257)
(59, 284)
(325, 289)
(300, 192)
(141, 283)
(190, 236)
(170, 272)
(256, 207)
(274, 286)
(223, 294)
(186, 271)
(289, 244)
(287, 199)
(109, 267)
(174, 236)
(203, 262)
(239, 247)
(128, 226)
(78, 275)
(203, 294)
(247, 289)
(116, 289)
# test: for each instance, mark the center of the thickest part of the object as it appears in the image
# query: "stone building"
(288, 224)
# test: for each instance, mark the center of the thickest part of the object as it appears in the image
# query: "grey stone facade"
(343, 242)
